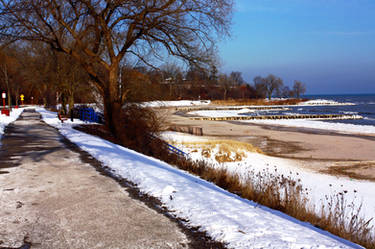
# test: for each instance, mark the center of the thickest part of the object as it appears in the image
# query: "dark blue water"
(364, 105)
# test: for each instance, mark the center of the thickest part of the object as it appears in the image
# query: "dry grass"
(345, 219)
(223, 150)
(257, 102)
(287, 195)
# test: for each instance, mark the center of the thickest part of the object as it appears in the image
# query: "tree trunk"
(63, 104)
(9, 99)
(71, 102)
(17, 92)
(113, 105)
(4, 68)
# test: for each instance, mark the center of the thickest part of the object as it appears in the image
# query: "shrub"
(139, 124)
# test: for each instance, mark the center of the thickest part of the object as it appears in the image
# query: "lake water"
(363, 105)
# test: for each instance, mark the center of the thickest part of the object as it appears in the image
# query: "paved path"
(51, 199)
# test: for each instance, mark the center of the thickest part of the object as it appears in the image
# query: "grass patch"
(222, 150)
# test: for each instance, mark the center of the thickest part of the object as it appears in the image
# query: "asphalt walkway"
(50, 198)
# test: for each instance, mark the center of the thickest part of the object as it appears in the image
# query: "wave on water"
(350, 113)
(320, 102)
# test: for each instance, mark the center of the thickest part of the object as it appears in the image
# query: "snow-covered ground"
(318, 188)
(315, 124)
(304, 123)
(226, 217)
(176, 103)
(5, 120)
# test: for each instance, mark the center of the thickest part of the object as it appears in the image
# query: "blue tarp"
(88, 114)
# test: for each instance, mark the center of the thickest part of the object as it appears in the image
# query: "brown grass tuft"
(228, 150)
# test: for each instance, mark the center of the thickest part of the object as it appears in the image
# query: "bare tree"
(285, 92)
(298, 88)
(9, 72)
(273, 84)
(226, 84)
(236, 78)
(260, 86)
(99, 34)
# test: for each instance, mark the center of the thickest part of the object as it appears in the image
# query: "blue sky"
(328, 44)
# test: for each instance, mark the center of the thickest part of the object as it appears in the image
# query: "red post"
(4, 96)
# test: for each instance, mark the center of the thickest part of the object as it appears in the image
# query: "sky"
(327, 44)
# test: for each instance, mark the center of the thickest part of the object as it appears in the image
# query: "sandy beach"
(318, 150)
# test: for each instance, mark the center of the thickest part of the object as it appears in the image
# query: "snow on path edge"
(225, 217)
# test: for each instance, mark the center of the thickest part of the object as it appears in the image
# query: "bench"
(62, 118)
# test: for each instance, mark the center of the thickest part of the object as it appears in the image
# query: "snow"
(314, 124)
(5, 120)
(221, 113)
(226, 217)
(303, 123)
(324, 102)
(176, 103)
(318, 187)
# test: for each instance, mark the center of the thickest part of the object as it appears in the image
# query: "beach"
(315, 149)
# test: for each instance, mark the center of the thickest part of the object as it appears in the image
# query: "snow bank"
(318, 187)
(220, 113)
(313, 124)
(301, 123)
(176, 103)
(5, 120)
(224, 216)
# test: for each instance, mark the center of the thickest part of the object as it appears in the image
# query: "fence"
(171, 148)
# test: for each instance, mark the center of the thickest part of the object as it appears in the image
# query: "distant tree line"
(42, 76)
(49, 77)
(171, 82)
(274, 86)
(65, 51)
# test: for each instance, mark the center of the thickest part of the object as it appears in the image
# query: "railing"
(171, 148)
(175, 150)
